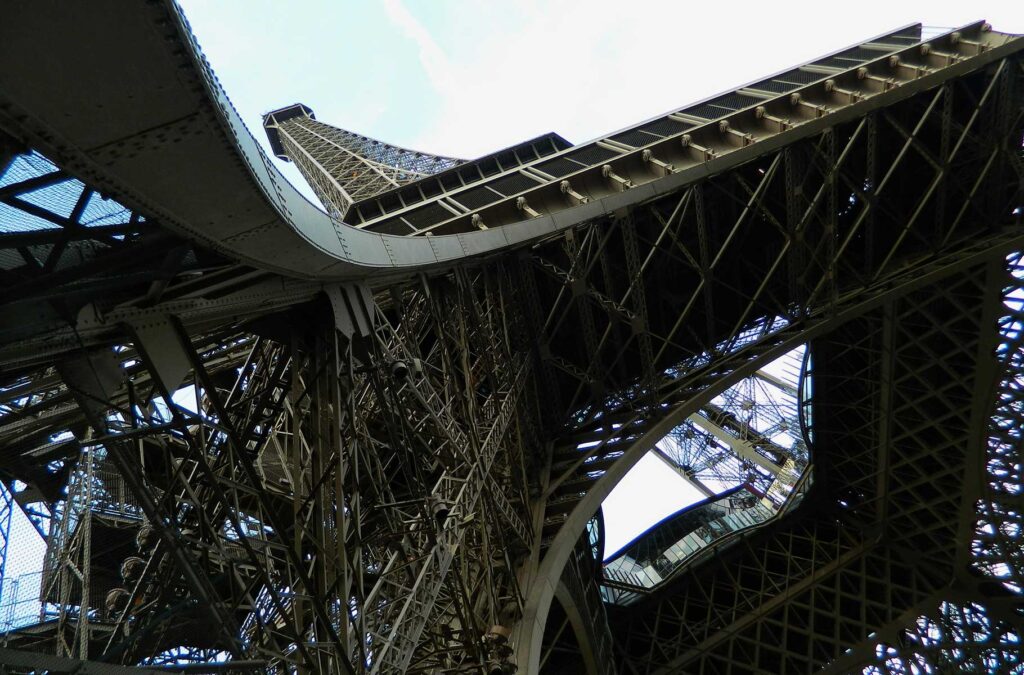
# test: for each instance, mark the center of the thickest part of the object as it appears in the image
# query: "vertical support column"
(243, 458)
(704, 261)
(86, 555)
(871, 176)
(68, 552)
(6, 511)
(945, 139)
(94, 378)
(831, 216)
(638, 299)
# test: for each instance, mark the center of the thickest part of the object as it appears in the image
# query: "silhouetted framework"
(256, 437)
(894, 488)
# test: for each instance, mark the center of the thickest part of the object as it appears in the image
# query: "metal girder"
(343, 167)
(232, 465)
(871, 484)
(403, 491)
(647, 435)
(740, 446)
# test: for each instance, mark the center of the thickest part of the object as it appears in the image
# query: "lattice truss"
(349, 489)
(737, 611)
(893, 440)
(72, 257)
(748, 435)
(638, 289)
(690, 141)
(343, 167)
(51, 221)
(324, 502)
(964, 634)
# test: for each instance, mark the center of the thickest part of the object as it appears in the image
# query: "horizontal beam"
(38, 662)
(58, 234)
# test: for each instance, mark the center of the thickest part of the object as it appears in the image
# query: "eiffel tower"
(261, 436)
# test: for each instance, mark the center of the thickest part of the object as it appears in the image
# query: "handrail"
(629, 585)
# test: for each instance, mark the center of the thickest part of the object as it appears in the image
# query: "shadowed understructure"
(261, 437)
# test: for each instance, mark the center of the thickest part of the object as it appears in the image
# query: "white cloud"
(586, 67)
(432, 57)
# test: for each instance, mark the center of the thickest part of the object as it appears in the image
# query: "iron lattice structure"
(258, 437)
(343, 167)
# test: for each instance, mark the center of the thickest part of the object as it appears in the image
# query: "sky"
(462, 78)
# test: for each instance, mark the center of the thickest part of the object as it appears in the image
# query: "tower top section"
(274, 118)
(343, 167)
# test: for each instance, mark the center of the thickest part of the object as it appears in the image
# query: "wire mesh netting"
(48, 199)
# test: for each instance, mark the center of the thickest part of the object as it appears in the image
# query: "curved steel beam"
(728, 371)
(160, 135)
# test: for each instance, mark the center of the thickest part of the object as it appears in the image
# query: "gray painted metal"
(448, 414)
(341, 166)
(164, 137)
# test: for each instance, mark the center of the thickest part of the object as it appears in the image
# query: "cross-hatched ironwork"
(343, 167)
(365, 453)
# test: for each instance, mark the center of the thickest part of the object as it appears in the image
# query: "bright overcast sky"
(463, 78)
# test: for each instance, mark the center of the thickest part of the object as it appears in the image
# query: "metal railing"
(662, 551)
(20, 605)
